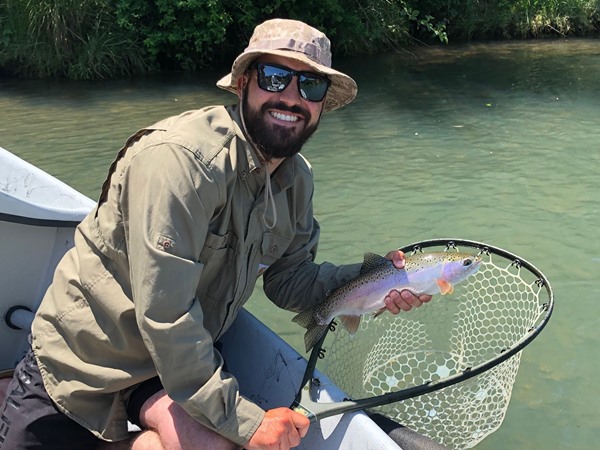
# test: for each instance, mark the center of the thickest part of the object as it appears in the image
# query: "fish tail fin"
(314, 331)
(305, 318)
(313, 334)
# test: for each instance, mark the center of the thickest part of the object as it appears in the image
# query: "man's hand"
(405, 300)
(281, 429)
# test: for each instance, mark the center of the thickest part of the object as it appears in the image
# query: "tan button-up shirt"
(162, 266)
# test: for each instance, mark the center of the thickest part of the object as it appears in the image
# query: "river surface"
(496, 142)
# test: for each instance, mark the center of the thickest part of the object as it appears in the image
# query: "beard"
(272, 140)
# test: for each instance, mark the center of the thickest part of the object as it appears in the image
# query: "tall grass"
(77, 39)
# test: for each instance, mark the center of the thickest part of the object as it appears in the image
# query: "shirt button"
(273, 249)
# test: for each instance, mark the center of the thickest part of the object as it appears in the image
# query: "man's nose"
(291, 94)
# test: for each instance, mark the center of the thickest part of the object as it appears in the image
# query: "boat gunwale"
(34, 221)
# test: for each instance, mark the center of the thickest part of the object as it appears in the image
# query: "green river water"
(495, 142)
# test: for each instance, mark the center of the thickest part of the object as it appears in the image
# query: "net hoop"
(490, 375)
(517, 260)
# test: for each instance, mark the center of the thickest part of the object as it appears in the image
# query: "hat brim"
(343, 89)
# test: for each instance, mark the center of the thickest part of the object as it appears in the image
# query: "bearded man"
(194, 209)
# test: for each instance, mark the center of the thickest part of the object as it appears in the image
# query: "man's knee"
(143, 440)
(176, 429)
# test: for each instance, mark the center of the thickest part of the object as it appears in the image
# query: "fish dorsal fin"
(372, 261)
(445, 286)
(350, 323)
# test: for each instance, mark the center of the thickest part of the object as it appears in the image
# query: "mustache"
(295, 109)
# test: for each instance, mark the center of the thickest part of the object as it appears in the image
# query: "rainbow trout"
(423, 273)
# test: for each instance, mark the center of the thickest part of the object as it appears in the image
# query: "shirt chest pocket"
(219, 250)
(218, 247)
(272, 248)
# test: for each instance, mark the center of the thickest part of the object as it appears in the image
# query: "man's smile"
(290, 118)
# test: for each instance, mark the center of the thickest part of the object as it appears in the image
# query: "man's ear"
(242, 83)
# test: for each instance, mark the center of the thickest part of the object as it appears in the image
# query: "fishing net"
(495, 309)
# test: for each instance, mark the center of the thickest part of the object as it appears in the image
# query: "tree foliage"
(510, 19)
(86, 39)
(176, 34)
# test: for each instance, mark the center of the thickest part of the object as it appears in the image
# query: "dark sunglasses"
(275, 78)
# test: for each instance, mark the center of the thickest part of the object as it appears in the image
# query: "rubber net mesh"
(486, 314)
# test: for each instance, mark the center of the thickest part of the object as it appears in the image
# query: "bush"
(190, 33)
(67, 38)
(85, 39)
(484, 19)
(182, 34)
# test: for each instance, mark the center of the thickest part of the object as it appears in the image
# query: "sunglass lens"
(273, 78)
(313, 88)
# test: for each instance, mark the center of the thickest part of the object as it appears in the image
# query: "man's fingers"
(404, 301)
(301, 423)
(281, 429)
(391, 302)
(397, 257)
(298, 430)
(293, 438)
(411, 299)
(424, 298)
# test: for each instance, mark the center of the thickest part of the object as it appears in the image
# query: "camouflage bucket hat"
(296, 40)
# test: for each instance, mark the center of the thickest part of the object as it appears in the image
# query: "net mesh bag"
(486, 314)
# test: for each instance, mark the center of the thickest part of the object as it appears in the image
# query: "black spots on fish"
(372, 261)
(305, 318)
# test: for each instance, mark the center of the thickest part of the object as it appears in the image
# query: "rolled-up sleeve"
(167, 200)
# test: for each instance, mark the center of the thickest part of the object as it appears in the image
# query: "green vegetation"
(66, 38)
(510, 19)
(90, 39)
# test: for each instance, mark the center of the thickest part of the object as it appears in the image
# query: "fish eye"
(467, 262)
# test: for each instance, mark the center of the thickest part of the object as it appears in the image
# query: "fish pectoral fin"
(379, 312)
(350, 323)
(445, 286)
